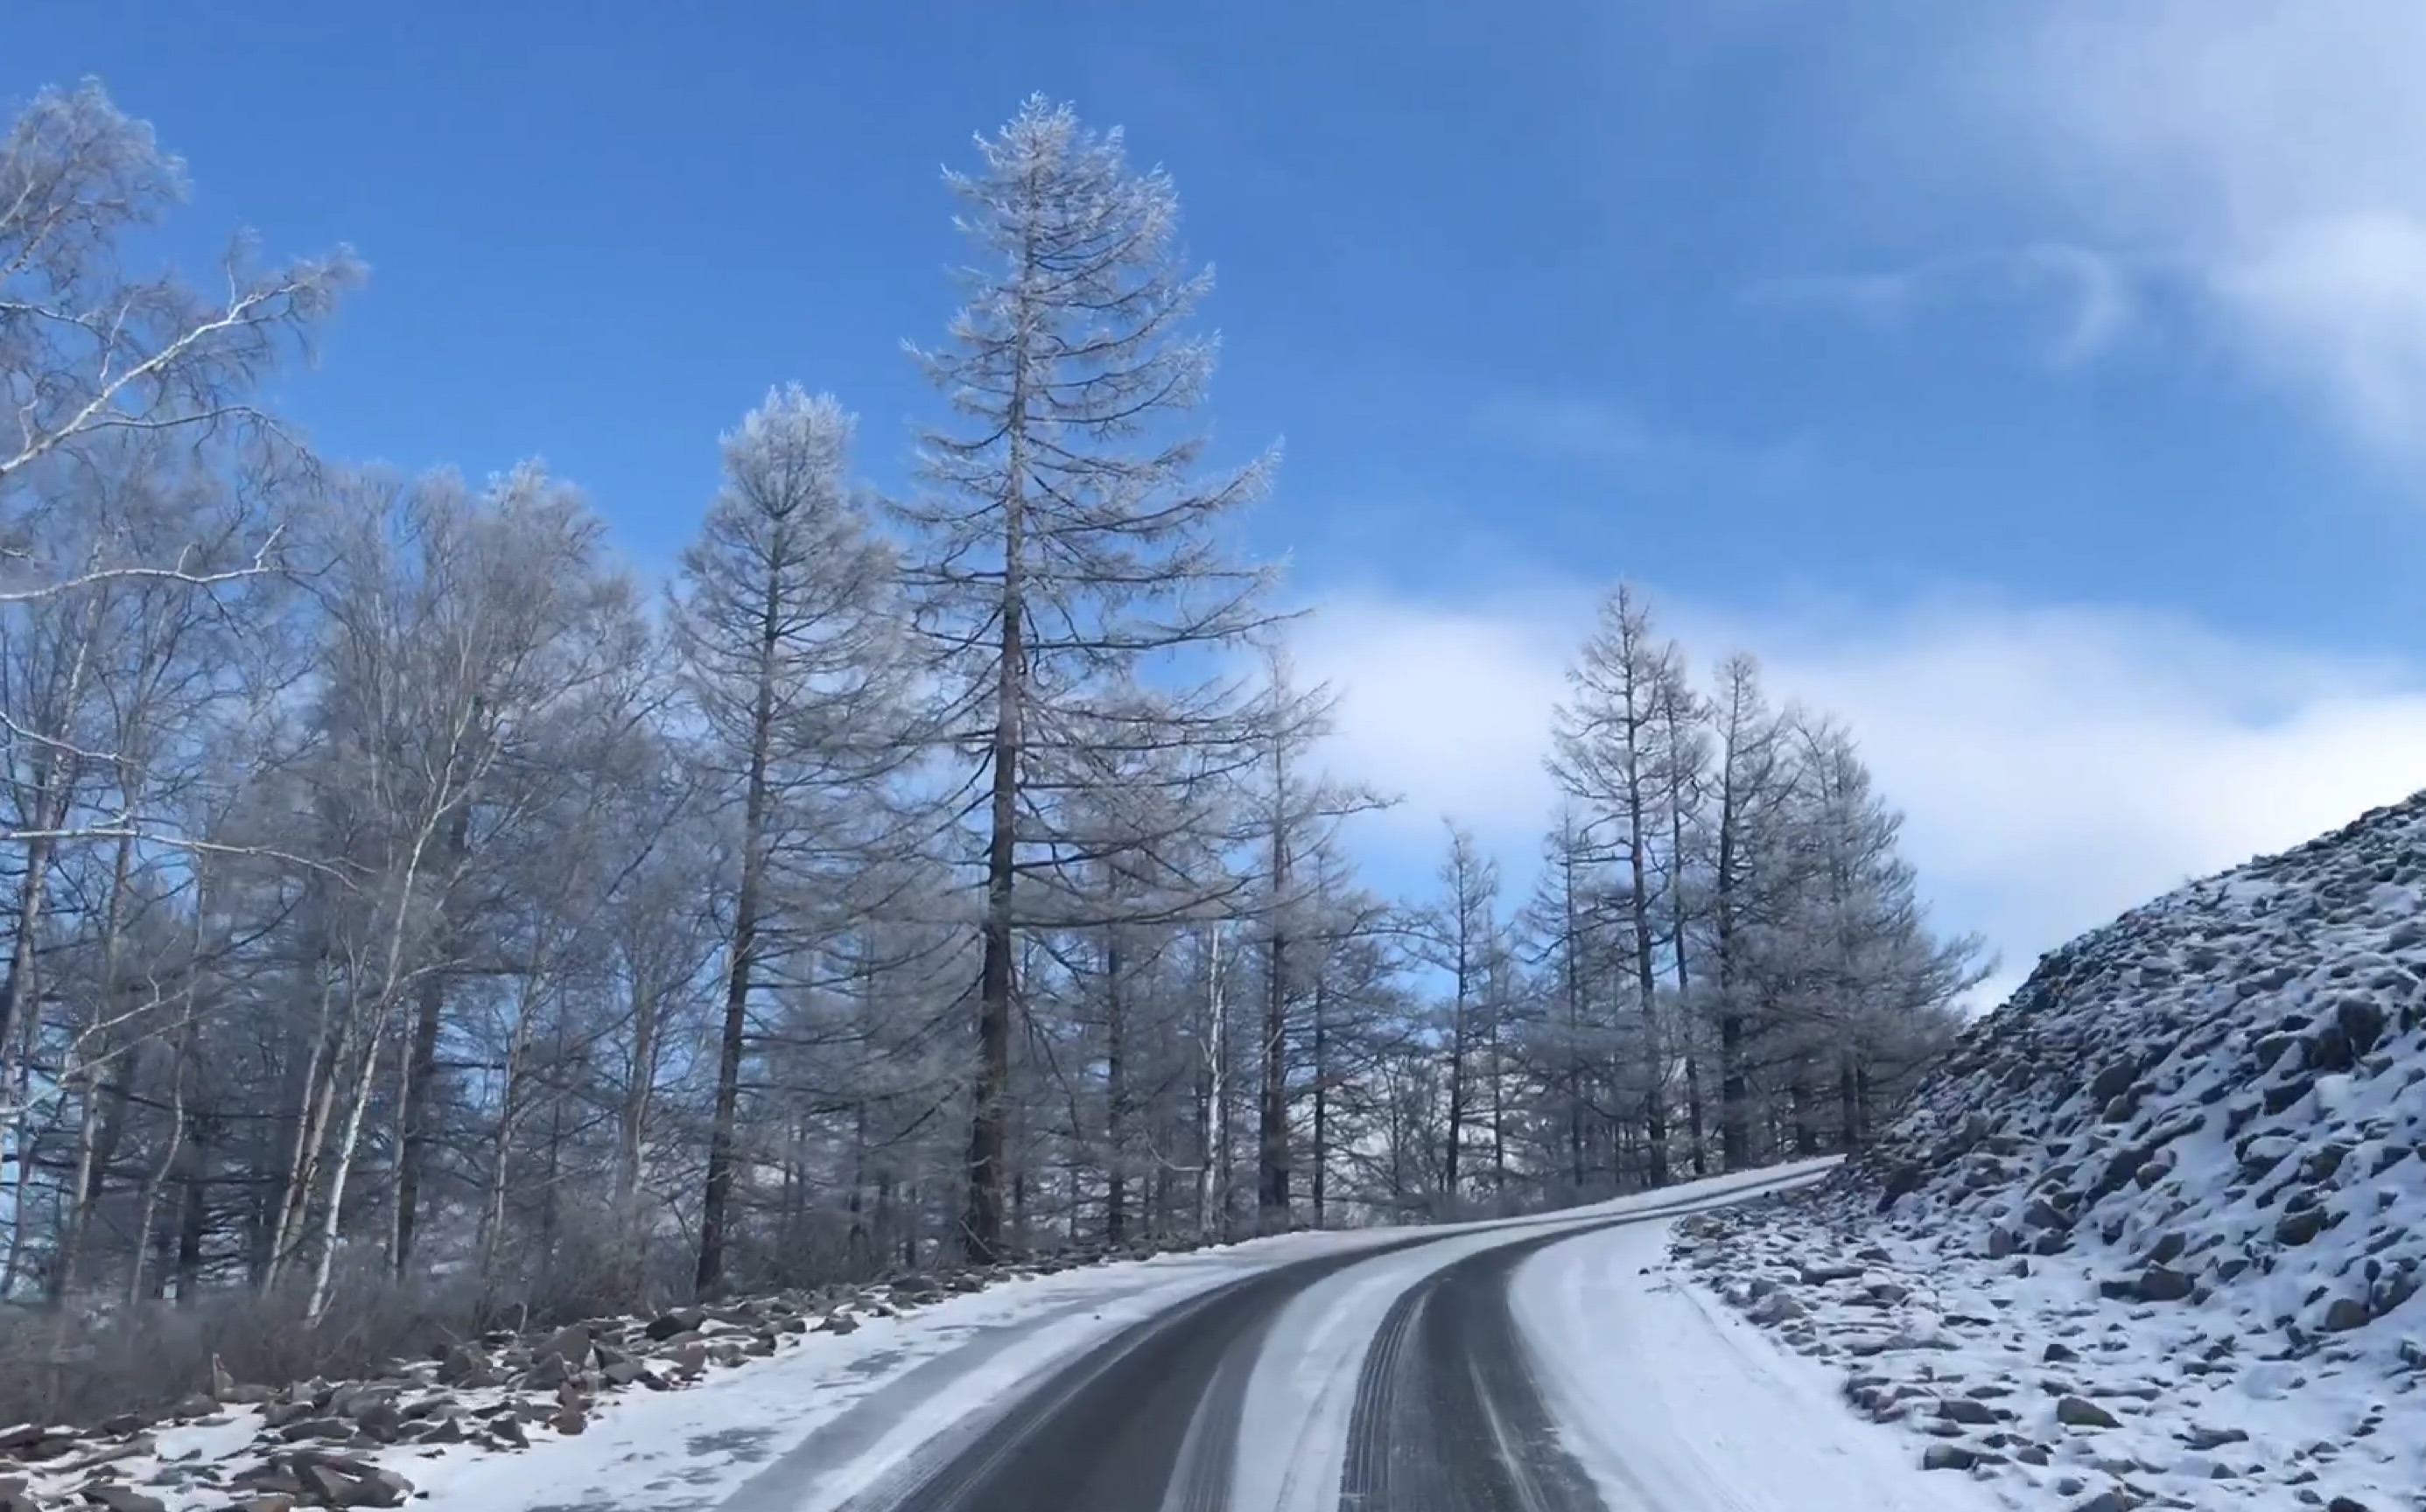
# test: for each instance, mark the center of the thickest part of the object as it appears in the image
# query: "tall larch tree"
(1609, 753)
(1067, 535)
(785, 626)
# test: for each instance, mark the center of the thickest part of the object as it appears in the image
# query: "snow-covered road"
(1541, 1366)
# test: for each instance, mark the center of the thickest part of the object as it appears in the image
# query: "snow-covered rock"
(2170, 1199)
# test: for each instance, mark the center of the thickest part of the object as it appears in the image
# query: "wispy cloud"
(2089, 294)
(2056, 764)
(2266, 154)
(1602, 432)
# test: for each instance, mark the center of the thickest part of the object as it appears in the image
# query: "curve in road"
(1447, 1416)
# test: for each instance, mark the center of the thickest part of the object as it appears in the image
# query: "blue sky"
(2031, 384)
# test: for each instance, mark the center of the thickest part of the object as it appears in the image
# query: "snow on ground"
(1670, 1403)
(830, 1413)
(737, 1437)
(2020, 1373)
(2155, 1230)
(807, 1429)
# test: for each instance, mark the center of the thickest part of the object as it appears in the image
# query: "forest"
(411, 906)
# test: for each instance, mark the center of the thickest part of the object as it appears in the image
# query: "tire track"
(1447, 1415)
(1147, 1422)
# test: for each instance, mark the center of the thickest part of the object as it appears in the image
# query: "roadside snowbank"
(1669, 1402)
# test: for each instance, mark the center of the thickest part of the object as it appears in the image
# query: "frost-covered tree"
(93, 357)
(1069, 539)
(785, 628)
(1752, 780)
(1622, 754)
(1292, 815)
(1460, 938)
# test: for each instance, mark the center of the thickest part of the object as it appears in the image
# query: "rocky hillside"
(2154, 1229)
(2220, 1096)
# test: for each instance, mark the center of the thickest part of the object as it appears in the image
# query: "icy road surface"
(1537, 1365)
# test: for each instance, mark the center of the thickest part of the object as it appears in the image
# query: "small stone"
(2158, 1283)
(1948, 1456)
(569, 1345)
(352, 1484)
(2345, 1313)
(2297, 1228)
(2079, 1412)
(466, 1366)
(331, 1429)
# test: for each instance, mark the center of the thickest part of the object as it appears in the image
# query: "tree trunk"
(1654, 1110)
(1499, 1101)
(311, 1133)
(501, 1152)
(19, 1135)
(1212, 1124)
(1735, 1112)
(104, 1111)
(383, 1008)
(1116, 1094)
(631, 1133)
(70, 1254)
(1321, 1166)
(172, 1159)
(1272, 1186)
(1798, 1093)
(54, 783)
(981, 1225)
(417, 1089)
(717, 1195)
(193, 1217)
(346, 1149)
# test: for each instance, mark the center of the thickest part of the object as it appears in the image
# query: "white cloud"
(1600, 431)
(1593, 430)
(2090, 293)
(2266, 154)
(1446, 709)
(2056, 765)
